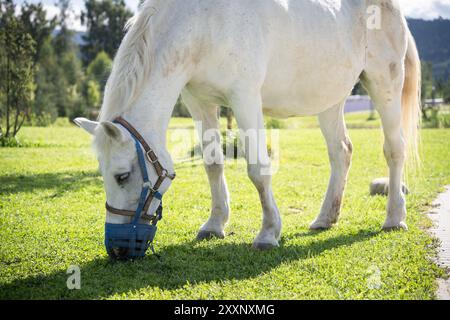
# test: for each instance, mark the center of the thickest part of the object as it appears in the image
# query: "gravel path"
(440, 214)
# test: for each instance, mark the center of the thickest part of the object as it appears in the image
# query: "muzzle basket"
(126, 241)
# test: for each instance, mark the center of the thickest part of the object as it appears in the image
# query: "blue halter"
(124, 241)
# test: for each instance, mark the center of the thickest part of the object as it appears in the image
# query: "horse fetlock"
(329, 215)
(397, 209)
(395, 222)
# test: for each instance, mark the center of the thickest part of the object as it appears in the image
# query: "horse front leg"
(208, 128)
(247, 108)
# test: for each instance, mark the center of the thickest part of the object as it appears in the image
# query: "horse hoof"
(395, 227)
(319, 226)
(264, 246)
(208, 235)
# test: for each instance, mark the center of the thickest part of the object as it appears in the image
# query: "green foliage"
(444, 120)
(34, 20)
(433, 120)
(62, 41)
(427, 80)
(437, 118)
(9, 142)
(59, 80)
(72, 79)
(57, 68)
(47, 80)
(99, 69)
(17, 49)
(53, 201)
(105, 21)
(79, 109)
(93, 94)
(272, 123)
(446, 91)
(231, 144)
(39, 120)
(180, 110)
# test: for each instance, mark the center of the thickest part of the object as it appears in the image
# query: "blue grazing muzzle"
(127, 241)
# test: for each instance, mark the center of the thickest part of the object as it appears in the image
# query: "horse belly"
(308, 88)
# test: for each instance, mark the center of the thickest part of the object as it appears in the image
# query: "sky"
(424, 9)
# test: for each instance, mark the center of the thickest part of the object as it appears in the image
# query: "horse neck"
(152, 112)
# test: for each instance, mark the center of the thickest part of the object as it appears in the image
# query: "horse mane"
(131, 66)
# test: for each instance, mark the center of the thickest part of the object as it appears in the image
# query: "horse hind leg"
(208, 127)
(386, 92)
(340, 150)
(392, 78)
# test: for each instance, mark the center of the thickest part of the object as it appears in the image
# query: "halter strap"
(149, 191)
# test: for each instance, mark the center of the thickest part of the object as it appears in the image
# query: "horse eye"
(122, 178)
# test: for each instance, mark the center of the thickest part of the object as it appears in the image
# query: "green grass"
(52, 216)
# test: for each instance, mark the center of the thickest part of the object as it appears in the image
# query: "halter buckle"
(149, 158)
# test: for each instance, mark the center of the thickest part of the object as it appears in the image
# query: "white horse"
(280, 57)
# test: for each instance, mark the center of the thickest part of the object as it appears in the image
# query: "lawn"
(52, 217)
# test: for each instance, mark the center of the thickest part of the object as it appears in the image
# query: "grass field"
(52, 217)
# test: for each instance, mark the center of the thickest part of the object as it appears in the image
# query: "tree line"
(44, 74)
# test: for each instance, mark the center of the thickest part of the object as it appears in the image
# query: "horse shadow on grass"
(61, 182)
(180, 265)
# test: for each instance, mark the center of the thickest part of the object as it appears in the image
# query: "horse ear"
(111, 130)
(86, 124)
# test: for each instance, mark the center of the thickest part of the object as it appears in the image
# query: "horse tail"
(411, 100)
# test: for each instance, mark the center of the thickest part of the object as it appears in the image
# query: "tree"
(427, 80)
(105, 21)
(93, 94)
(47, 80)
(100, 68)
(59, 74)
(427, 85)
(16, 68)
(70, 65)
(34, 20)
(446, 92)
(62, 41)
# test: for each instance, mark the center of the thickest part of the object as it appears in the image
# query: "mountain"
(433, 42)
